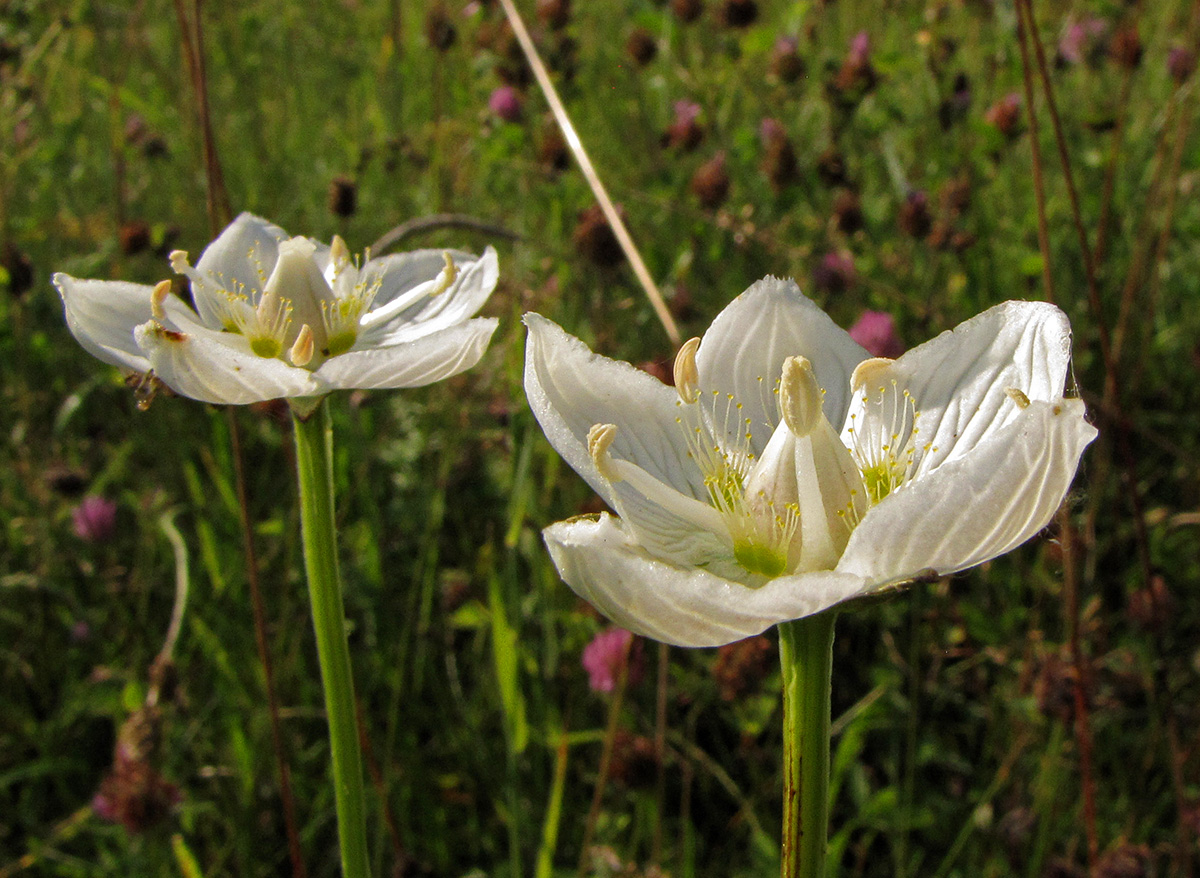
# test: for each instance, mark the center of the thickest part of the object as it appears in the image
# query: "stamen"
(599, 440)
(339, 254)
(687, 377)
(865, 372)
(448, 275)
(161, 291)
(301, 353)
(884, 445)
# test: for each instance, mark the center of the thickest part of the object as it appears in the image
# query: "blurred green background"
(895, 174)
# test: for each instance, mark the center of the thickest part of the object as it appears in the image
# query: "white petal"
(476, 279)
(570, 389)
(959, 379)
(218, 368)
(241, 258)
(102, 316)
(752, 337)
(668, 524)
(686, 606)
(411, 364)
(978, 506)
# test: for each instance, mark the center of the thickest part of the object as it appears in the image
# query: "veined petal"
(959, 381)
(977, 506)
(219, 367)
(239, 260)
(570, 389)
(410, 364)
(476, 279)
(671, 525)
(685, 606)
(102, 316)
(742, 354)
(400, 272)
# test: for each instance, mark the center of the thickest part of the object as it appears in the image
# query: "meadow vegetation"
(1035, 717)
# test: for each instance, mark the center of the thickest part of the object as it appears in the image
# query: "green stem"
(314, 465)
(806, 656)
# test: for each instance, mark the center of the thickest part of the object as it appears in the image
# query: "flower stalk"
(806, 657)
(314, 465)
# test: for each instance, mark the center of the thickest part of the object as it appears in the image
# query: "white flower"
(788, 472)
(288, 317)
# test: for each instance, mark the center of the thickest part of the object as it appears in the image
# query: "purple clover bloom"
(876, 331)
(95, 519)
(605, 656)
(505, 103)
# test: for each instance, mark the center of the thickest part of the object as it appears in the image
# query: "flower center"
(762, 519)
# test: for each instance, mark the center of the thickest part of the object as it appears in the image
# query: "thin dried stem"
(660, 748)
(191, 31)
(219, 215)
(1039, 189)
(376, 774)
(1110, 173)
(249, 551)
(1150, 300)
(1085, 248)
(1124, 450)
(1080, 686)
(1144, 236)
(421, 224)
(589, 172)
(610, 735)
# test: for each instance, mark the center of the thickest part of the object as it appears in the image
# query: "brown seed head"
(687, 10)
(710, 183)
(595, 240)
(343, 196)
(641, 46)
(439, 29)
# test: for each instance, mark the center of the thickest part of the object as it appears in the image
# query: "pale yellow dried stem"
(589, 172)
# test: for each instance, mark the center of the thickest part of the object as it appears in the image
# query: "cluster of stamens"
(761, 529)
(886, 457)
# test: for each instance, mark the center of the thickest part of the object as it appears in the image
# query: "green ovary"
(760, 559)
(267, 348)
(879, 481)
(340, 342)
